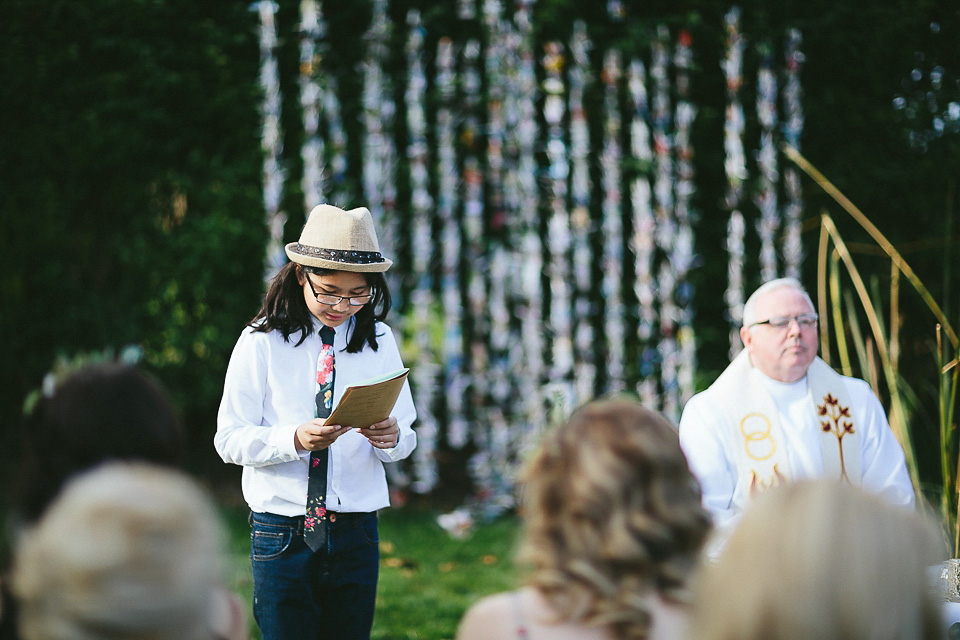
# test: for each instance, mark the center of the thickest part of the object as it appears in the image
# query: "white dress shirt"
(711, 446)
(269, 391)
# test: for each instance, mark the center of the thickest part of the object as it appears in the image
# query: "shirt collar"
(782, 390)
(340, 332)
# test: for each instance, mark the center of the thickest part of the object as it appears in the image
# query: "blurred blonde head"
(612, 515)
(128, 550)
(821, 559)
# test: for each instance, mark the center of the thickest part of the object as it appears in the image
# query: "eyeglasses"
(804, 320)
(323, 298)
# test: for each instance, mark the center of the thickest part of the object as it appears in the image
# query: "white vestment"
(713, 445)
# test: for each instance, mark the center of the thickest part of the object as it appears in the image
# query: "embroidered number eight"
(758, 443)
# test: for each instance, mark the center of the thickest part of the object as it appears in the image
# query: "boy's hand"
(383, 435)
(314, 436)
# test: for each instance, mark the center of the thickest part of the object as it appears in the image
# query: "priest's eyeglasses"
(804, 320)
(354, 301)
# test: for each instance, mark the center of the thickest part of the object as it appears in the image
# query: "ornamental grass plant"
(843, 298)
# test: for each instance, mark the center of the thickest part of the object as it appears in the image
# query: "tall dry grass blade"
(841, 250)
(822, 288)
(947, 399)
(956, 544)
(878, 310)
(878, 237)
(945, 456)
(873, 368)
(843, 351)
(946, 446)
(898, 416)
(894, 346)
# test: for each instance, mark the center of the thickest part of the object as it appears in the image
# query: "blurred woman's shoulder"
(523, 614)
(669, 619)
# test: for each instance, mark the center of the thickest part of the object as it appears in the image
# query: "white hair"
(749, 307)
(128, 550)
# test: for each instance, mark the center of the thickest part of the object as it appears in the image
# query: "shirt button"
(333, 517)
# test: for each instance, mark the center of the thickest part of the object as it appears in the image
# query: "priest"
(779, 413)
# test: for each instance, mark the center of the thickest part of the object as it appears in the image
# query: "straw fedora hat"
(338, 239)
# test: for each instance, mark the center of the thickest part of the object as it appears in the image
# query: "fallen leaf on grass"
(401, 563)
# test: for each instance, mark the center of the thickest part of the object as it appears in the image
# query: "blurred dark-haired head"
(102, 412)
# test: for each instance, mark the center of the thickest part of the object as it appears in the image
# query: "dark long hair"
(285, 310)
(102, 412)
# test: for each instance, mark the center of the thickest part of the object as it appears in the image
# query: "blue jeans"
(302, 595)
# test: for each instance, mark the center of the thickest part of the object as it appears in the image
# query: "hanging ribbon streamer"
(491, 466)
(312, 32)
(683, 256)
(736, 171)
(585, 369)
(736, 230)
(379, 150)
(272, 140)
(529, 304)
(473, 233)
(792, 130)
(454, 378)
(497, 65)
(426, 373)
(766, 195)
(666, 223)
(644, 227)
(612, 261)
(335, 173)
(558, 318)
(512, 133)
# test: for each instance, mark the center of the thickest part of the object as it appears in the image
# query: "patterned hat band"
(338, 255)
(350, 232)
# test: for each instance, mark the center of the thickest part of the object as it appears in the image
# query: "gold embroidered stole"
(839, 433)
(750, 411)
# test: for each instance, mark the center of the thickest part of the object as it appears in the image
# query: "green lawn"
(427, 578)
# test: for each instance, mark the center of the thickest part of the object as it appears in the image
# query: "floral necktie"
(315, 522)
